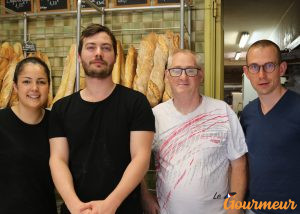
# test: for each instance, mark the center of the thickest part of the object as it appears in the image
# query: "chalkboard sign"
(157, 2)
(45, 5)
(131, 3)
(99, 3)
(18, 6)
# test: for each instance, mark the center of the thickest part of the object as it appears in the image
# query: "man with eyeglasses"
(197, 140)
(272, 129)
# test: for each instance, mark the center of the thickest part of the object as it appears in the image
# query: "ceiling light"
(244, 39)
(294, 43)
(237, 55)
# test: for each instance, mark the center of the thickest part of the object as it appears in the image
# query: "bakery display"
(130, 67)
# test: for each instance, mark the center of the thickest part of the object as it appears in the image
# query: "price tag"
(29, 47)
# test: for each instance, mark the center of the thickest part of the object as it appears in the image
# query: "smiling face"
(97, 55)
(32, 86)
(264, 83)
(184, 84)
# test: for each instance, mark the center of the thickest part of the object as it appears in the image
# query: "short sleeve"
(236, 146)
(156, 137)
(56, 122)
(142, 118)
(242, 121)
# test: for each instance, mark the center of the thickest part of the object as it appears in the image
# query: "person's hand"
(149, 203)
(86, 211)
(101, 207)
(81, 208)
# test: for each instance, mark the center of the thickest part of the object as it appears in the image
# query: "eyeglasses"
(176, 72)
(268, 67)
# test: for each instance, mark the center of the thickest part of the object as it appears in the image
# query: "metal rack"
(102, 11)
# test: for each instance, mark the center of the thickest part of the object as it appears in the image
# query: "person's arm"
(140, 150)
(149, 201)
(61, 175)
(238, 181)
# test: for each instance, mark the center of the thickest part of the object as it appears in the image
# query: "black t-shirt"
(98, 135)
(25, 181)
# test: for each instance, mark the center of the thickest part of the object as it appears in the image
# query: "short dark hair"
(93, 29)
(33, 60)
(265, 43)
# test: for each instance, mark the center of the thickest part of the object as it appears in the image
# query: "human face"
(97, 55)
(32, 86)
(264, 83)
(184, 84)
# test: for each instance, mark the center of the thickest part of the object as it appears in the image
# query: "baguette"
(118, 69)
(18, 53)
(6, 55)
(72, 72)
(65, 76)
(31, 54)
(7, 86)
(155, 87)
(130, 67)
(45, 58)
(173, 44)
(13, 98)
(144, 63)
(3, 69)
(168, 92)
(82, 78)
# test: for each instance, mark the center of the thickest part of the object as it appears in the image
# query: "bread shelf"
(102, 11)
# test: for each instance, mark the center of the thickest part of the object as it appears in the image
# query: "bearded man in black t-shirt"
(100, 137)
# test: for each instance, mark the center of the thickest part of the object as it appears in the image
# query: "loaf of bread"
(18, 51)
(72, 72)
(155, 87)
(11, 97)
(167, 93)
(173, 44)
(144, 62)
(10, 52)
(13, 100)
(82, 78)
(3, 69)
(130, 68)
(31, 54)
(68, 78)
(119, 65)
(6, 56)
(45, 58)
(7, 86)
(171, 41)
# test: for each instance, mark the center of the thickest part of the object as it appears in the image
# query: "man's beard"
(97, 73)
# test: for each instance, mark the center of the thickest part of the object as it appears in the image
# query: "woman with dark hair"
(25, 181)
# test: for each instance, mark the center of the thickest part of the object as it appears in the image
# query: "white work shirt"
(192, 156)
